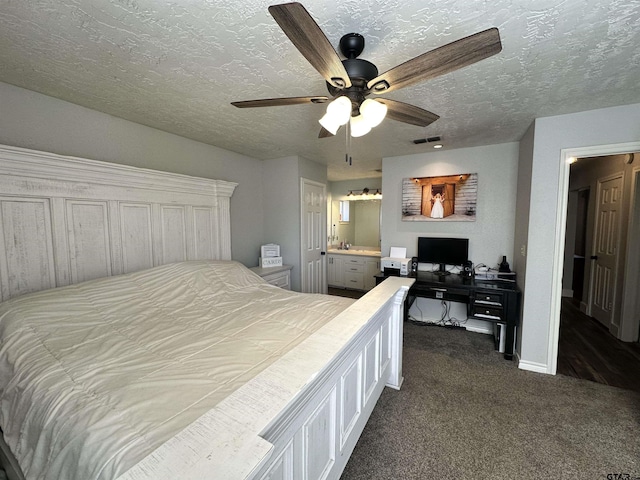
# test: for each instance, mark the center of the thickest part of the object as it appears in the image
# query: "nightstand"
(278, 276)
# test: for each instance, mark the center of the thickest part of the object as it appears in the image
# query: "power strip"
(454, 327)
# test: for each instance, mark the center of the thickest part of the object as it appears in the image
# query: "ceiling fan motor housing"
(360, 71)
(352, 45)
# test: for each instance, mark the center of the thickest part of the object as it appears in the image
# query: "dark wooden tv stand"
(495, 301)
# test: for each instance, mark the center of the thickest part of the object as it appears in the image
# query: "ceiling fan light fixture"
(329, 123)
(340, 110)
(373, 112)
(359, 126)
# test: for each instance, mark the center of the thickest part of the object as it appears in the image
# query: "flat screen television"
(443, 251)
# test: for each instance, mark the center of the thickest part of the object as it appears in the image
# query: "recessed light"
(437, 145)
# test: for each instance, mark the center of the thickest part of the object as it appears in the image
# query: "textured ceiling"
(177, 66)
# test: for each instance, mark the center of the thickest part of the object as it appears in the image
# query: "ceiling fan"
(352, 80)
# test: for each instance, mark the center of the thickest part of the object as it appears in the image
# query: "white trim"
(628, 330)
(532, 366)
(37, 164)
(558, 257)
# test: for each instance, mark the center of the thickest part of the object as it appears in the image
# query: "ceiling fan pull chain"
(347, 155)
(346, 143)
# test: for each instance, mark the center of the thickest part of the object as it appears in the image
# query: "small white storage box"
(270, 250)
(266, 262)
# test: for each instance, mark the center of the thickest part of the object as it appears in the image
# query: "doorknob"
(594, 257)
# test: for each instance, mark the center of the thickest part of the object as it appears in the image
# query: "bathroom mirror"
(363, 227)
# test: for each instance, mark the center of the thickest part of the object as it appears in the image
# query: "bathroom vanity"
(354, 268)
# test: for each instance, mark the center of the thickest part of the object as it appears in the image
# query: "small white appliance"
(400, 264)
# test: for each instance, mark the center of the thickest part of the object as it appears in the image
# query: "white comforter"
(95, 376)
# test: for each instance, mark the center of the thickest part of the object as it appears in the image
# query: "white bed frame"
(65, 220)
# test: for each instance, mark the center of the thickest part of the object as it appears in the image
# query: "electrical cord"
(446, 320)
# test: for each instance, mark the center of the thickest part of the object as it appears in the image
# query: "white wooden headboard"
(64, 220)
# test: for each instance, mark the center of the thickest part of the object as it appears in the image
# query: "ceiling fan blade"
(279, 102)
(324, 133)
(403, 112)
(434, 63)
(306, 35)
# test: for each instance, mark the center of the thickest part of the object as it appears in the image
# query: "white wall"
(282, 211)
(609, 126)
(31, 120)
(523, 198)
(492, 234)
(282, 206)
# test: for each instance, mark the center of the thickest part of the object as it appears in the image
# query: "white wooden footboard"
(301, 417)
(316, 433)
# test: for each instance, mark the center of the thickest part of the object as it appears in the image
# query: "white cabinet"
(371, 269)
(278, 276)
(335, 271)
(352, 271)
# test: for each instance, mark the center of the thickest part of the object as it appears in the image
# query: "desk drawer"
(488, 297)
(487, 311)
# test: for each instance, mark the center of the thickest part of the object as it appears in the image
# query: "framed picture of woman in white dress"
(443, 198)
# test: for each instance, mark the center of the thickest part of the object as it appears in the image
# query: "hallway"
(587, 350)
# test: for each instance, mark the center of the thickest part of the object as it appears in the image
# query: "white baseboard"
(532, 366)
(584, 308)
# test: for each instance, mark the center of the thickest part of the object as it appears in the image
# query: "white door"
(605, 249)
(314, 236)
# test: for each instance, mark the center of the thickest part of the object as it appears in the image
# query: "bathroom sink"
(355, 251)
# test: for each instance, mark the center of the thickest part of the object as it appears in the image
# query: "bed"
(131, 378)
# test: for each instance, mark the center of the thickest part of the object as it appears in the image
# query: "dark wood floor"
(587, 350)
(345, 292)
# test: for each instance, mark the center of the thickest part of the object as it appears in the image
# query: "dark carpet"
(466, 413)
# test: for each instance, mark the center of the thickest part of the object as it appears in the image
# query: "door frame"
(323, 236)
(566, 155)
(629, 331)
